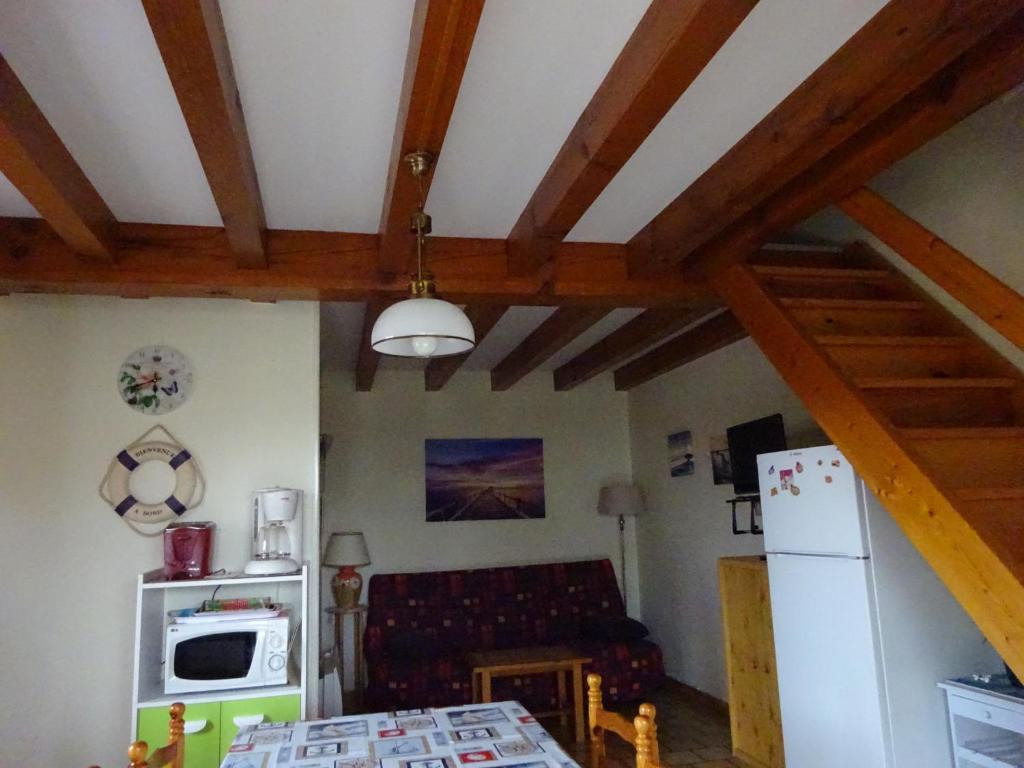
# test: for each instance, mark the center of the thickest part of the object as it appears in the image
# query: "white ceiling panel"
(610, 322)
(12, 202)
(95, 72)
(533, 68)
(320, 83)
(514, 326)
(776, 48)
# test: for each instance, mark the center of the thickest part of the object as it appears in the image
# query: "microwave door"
(220, 657)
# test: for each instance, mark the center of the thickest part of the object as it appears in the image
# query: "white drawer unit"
(987, 723)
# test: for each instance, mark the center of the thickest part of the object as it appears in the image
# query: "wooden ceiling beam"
(168, 260)
(670, 46)
(643, 331)
(191, 38)
(986, 296)
(439, 370)
(439, 45)
(901, 47)
(564, 325)
(719, 331)
(983, 74)
(366, 364)
(37, 163)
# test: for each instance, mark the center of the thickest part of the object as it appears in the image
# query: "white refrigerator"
(863, 628)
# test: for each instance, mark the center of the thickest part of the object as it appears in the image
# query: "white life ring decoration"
(189, 484)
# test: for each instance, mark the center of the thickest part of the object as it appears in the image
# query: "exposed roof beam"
(901, 47)
(35, 160)
(992, 300)
(439, 44)
(366, 365)
(670, 46)
(554, 333)
(439, 370)
(643, 331)
(166, 260)
(984, 73)
(191, 38)
(720, 331)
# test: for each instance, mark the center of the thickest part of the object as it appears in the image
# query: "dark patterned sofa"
(420, 625)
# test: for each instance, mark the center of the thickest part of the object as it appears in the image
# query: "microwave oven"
(216, 655)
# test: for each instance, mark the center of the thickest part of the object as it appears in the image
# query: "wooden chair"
(601, 720)
(646, 742)
(173, 754)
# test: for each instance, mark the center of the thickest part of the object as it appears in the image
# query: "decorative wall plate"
(155, 379)
(189, 485)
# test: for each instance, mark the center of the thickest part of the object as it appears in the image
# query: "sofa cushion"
(415, 646)
(612, 629)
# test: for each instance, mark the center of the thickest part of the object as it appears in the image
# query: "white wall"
(69, 562)
(375, 484)
(966, 186)
(687, 527)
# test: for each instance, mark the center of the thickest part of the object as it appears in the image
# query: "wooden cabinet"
(750, 661)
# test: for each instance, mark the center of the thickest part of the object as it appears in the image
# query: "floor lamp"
(621, 500)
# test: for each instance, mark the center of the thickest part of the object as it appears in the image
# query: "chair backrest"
(602, 720)
(646, 742)
(172, 754)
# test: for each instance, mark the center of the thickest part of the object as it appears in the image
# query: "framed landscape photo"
(484, 479)
(680, 453)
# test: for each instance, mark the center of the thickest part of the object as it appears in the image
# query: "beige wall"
(375, 484)
(70, 564)
(966, 186)
(688, 523)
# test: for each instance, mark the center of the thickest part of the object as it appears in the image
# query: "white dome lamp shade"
(422, 325)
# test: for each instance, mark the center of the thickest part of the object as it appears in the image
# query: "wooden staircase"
(928, 414)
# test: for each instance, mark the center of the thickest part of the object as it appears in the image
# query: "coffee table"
(510, 662)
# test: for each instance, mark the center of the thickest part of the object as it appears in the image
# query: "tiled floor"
(691, 732)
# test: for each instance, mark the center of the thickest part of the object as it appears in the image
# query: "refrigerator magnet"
(785, 478)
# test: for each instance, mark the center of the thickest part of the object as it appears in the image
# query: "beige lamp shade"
(620, 499)
(346, 549)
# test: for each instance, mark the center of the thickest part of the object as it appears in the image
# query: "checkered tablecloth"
(499, 735)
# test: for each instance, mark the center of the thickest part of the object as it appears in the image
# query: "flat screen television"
(748, 440)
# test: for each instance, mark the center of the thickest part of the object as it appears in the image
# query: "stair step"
(993, 494)
(839, 340)
(837, 287)
(824, 258)
(963, 433)
(825, 273)
(965, 463)
(995, 382)
(855, 304)
(823, 321)
(909, 360)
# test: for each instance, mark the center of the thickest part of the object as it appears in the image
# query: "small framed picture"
(517, 747)
(319, 750)
(474, 734)
(416, 723)
(427, 762)
(403, 746)
(337, 730)
(464, 717)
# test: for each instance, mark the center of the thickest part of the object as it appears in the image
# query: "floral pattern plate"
(155, 380)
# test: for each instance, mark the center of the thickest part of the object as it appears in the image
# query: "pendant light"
(422, 325)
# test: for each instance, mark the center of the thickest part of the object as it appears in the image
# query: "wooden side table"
(357, 615)
(558, 659)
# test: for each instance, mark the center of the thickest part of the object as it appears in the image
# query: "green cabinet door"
(273, 709)
(202, 748)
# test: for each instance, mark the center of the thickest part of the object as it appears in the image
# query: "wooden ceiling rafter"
(368, 360)
(642, 332)
(564, 325)
(36, 162)
(187, 261)
(902, 46)
(718, 331)
(194, 47)
(439, 44)
(440, 370)
(669, 48)
(986, 72)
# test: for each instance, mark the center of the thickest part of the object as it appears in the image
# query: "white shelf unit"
(987, 727)
(155, 597)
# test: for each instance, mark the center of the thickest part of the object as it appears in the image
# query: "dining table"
(499, 734)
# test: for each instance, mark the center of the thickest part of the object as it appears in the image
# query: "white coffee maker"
(276, 532)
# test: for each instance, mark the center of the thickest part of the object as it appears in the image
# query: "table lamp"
(346, 551)
(621, 500)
